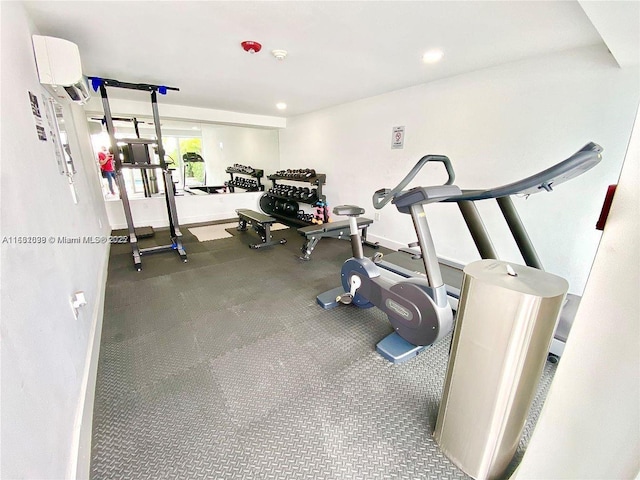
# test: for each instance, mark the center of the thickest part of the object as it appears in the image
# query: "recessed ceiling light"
(281, 106)
(433, 56)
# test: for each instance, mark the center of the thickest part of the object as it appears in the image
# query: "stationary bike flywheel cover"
(351, 267)
(419, 325)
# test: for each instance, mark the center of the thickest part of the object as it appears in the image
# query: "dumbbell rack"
(257, 174)
(272, 202)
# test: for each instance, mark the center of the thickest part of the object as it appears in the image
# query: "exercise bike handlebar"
(384, 195)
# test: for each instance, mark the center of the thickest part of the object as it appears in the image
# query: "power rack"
(139, 158)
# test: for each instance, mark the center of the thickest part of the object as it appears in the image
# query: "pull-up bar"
(96, 82)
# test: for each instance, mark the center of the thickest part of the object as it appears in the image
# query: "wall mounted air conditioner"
(60, 69)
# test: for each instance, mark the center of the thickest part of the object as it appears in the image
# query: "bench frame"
(261, 223)
(339, 230)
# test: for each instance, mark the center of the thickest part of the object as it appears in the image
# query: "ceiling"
(338, 51)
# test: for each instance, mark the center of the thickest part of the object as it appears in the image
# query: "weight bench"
(314, 233)
(261, 223)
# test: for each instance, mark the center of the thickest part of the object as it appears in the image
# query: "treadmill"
(407, 262)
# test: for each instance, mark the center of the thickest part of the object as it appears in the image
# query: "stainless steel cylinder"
(506, 319)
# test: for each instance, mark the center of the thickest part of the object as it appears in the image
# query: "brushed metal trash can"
(504, 327)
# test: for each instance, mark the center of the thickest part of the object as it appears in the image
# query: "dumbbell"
(279, 205)
(290, 208)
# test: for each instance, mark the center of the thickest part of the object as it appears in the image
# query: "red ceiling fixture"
(251, 47)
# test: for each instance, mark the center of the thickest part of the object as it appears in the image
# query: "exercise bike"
(415, 298)
(417, 306)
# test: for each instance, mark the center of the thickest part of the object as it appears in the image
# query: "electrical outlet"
(77, 300)
(376, 217)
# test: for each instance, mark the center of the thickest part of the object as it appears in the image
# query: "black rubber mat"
(224, 367)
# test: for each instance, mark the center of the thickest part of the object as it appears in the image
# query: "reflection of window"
(175, 146)
(133, 179)
(193, 171)
(184, 174)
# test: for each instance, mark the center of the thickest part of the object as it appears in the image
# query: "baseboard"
(385, 242)
(80, 465)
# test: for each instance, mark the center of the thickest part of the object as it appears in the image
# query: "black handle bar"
(384, 195)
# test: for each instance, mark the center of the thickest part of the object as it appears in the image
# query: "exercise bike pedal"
(345, 299)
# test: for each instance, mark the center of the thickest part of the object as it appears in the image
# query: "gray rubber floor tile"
(226, 368)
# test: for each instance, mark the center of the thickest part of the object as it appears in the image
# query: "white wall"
(47, 368)
(497, 125)
(590, 424)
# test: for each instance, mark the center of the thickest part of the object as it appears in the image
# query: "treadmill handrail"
(384, 195)
(577, 164)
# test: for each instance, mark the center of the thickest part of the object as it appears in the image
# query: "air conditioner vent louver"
(73, 94)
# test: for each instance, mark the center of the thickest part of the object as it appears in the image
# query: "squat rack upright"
(140, 159)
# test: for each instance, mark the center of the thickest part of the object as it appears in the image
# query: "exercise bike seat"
(348, 210)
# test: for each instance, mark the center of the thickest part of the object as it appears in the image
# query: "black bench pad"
(340, 230)
(332, 226)
(255, 216)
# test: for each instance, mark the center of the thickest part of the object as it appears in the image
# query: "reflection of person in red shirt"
(105, 159)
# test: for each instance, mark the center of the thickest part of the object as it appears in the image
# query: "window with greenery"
(184, 174)
(193, 171)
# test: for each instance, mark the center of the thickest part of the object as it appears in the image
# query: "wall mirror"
(217, 149)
